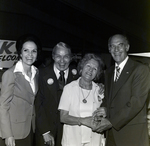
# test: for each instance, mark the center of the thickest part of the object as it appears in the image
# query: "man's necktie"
(61, 80)
(117, 73)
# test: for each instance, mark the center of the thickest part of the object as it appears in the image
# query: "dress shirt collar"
(19, 68)
(122, 64)
(58, 75)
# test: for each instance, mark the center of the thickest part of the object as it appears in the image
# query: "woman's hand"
(101, 88)
(10, 141)
(100, 92)
(90, 122)
(87, 121)
(102, 125)
(99, 114)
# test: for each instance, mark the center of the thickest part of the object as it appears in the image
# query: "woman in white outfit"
(79, 100)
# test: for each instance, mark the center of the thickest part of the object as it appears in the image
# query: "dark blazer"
(47, 114)
(126, 104)
(16, 105)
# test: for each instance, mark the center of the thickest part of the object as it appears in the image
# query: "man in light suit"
(126, 93)
(49, 128)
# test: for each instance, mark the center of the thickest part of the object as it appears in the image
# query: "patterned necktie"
(117, 73)
(61, 80)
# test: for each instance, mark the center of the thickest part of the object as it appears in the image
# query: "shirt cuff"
(46, 133)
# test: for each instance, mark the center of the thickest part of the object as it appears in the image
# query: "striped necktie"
(117, 73)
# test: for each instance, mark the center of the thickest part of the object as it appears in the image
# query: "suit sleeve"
(41, 118)
(7, 91)
(140, 84)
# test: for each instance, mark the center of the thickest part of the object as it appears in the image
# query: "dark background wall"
(85, 25)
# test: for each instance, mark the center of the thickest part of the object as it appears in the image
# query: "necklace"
(85, 98)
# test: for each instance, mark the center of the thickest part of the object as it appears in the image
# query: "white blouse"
(72, 101)
(19, 68)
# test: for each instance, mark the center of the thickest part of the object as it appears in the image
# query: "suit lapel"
(127, 70)
(109, 84)
(54, 87)
(70, 77)
(20, 80)
(36, 82)
(50, 75)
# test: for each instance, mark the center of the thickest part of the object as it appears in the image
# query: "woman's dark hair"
(88, 57)
(25, 38)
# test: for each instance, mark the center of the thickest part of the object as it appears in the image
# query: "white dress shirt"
(58, 75)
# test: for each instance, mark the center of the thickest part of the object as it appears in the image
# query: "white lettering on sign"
(8, 54)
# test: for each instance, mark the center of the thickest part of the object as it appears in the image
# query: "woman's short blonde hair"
(88, 57)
